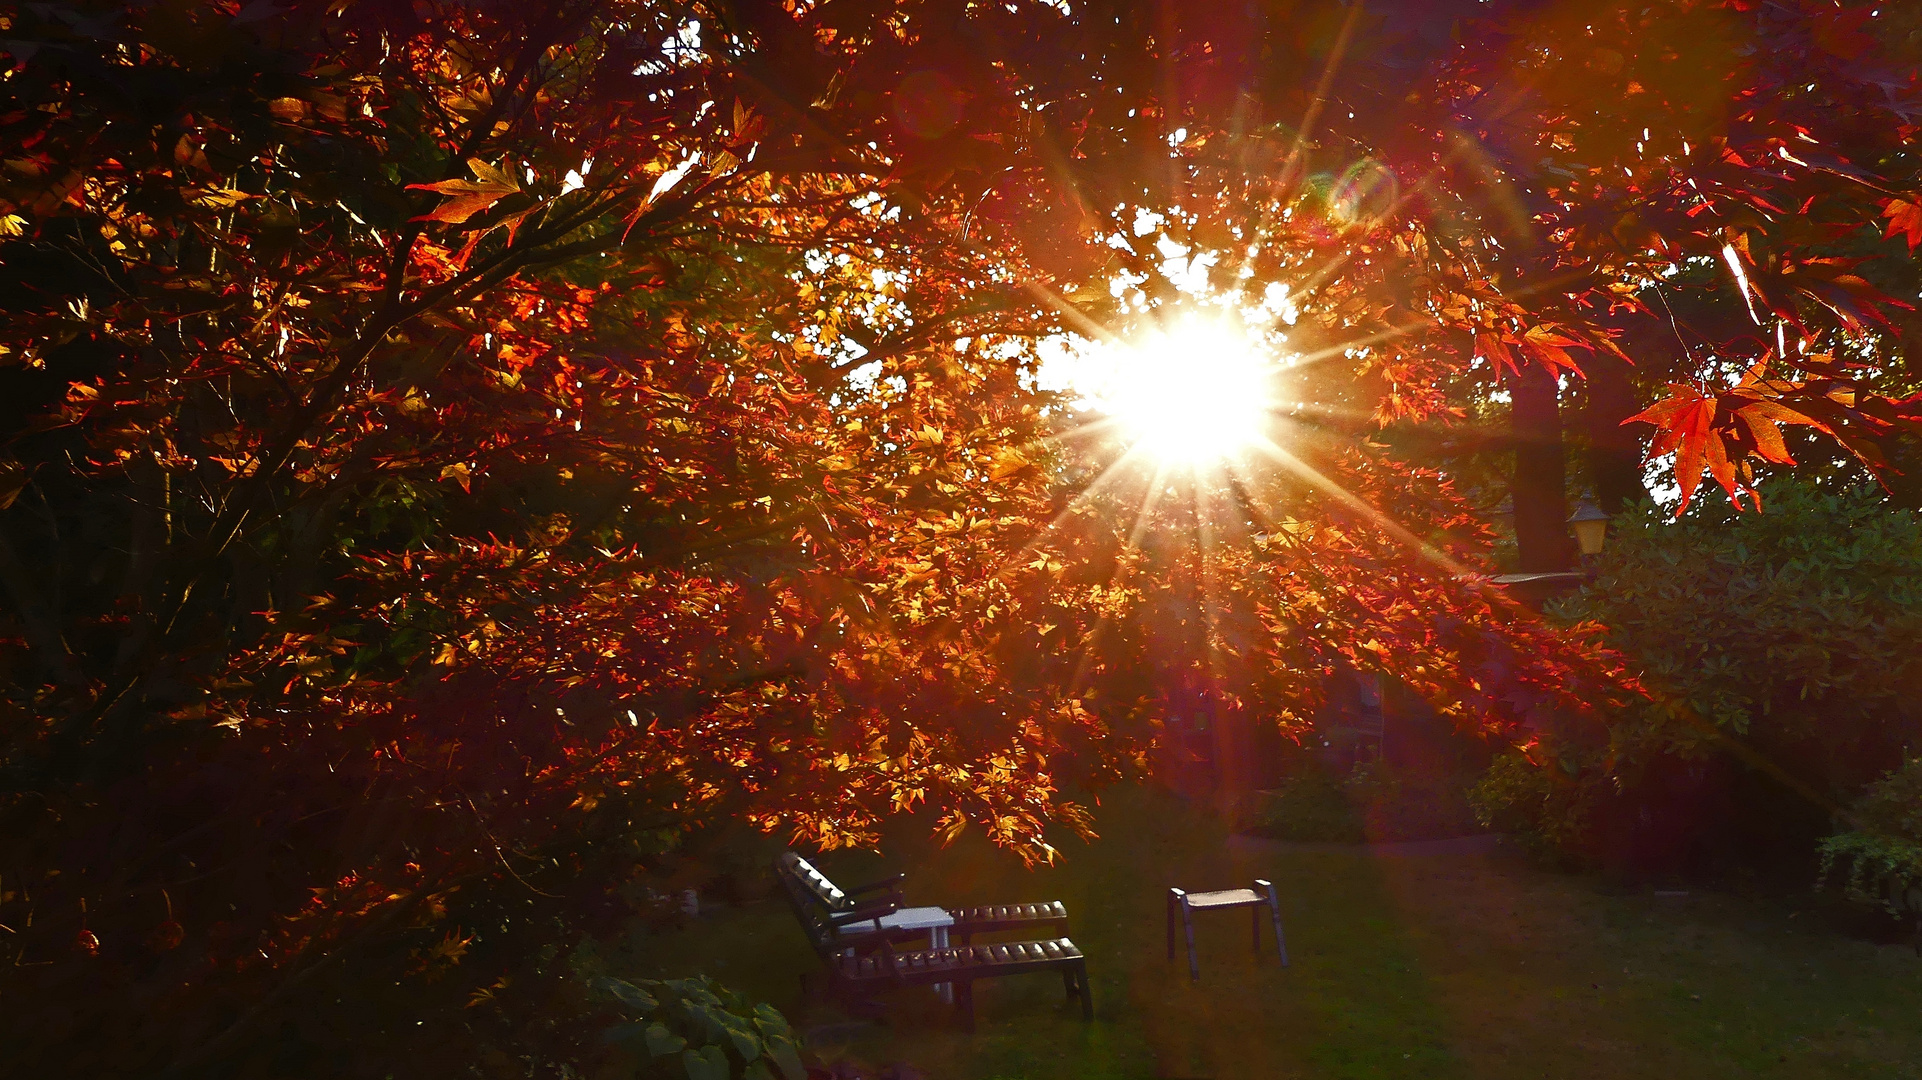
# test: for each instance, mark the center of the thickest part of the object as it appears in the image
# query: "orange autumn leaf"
(468, 197)
(1905, 217)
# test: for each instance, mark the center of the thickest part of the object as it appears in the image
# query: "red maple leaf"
(1904, 217)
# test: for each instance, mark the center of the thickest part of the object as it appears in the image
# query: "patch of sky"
(1658, 476)
(673, 176)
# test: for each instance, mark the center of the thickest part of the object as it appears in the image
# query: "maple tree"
(456, 448)
(478, 325)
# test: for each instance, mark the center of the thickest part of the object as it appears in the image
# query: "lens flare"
(1196, 392)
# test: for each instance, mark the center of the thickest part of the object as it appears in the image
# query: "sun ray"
(1401, 330)
(1145, 515)
(1396, 529)
(1212, 604)
(1289, 173)
(1114, 469)
(1292, 409)
(1102, 425)
(1142, 517)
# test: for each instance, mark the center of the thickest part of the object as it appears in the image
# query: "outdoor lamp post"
(1590, 526)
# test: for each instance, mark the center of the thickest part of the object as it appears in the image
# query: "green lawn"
(1455, 965)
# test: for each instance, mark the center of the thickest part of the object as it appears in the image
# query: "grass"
(1454, 965)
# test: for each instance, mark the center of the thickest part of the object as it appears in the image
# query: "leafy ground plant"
(698, 1029)
(1882, 851)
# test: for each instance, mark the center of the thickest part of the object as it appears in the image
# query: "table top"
(911, 918)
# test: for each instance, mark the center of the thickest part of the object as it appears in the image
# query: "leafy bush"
(1779, 652)
(1882, 850)
(1780, 623)
(1310, 805)
(1525, 801)
(698, 1030)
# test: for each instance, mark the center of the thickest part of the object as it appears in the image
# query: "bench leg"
(1254, 921)
(1087, 993)
(938, 938)
(964, 1004)
(1188, 927)
(1274, 912)
(1174, 897)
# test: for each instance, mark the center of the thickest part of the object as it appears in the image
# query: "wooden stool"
(1262, 895)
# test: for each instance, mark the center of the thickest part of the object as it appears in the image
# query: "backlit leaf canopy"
(451, 444)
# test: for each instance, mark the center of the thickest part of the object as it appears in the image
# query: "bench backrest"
(798, 873)
(810, 907)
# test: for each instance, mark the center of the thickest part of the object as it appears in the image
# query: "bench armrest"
(860, 913)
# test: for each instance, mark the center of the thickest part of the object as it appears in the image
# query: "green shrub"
(1881, 853)
(1780, 652)
(1796, 624)
(1310, 805)
(1545, 813)
(695, 1029)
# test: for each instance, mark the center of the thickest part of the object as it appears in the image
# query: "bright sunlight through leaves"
(1197, 391)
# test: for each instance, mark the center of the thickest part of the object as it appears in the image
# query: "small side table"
(936, 921)
(1187, 903)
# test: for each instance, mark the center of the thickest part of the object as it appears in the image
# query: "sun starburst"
(1192, 393)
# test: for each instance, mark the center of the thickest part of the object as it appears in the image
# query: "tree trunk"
(1540, 482)
(1614, 451)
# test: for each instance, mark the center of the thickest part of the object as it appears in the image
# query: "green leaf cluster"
(1778, 650)
(1790, 627)
(700, 1030)
(1881, 851)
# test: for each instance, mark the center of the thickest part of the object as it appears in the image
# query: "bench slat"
(1225, 898)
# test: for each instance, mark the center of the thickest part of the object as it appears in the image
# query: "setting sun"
(1197, 391)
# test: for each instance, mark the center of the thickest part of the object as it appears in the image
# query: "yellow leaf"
(468, 197)
(1007, 462)
(492, 177)
(461, 474)
(219, 198)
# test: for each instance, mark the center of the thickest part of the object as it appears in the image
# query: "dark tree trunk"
(1614, 451)
(1540, 481)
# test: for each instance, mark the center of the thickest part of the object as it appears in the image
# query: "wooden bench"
(863, 959)
(865, 971)
(805, 884)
